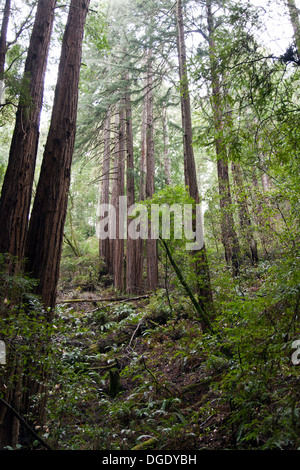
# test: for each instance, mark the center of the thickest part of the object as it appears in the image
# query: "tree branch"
(25, 424)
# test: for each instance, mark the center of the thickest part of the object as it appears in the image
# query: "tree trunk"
(167, 161)
(294, 17)
(118, 264)
(104, 245)
(47, 221)
(142, 186)
(3, 46)
(152, 263)
(143, 169)
(201, 264)
(134, 273)
(18, 181)
(229, 236)
(114, 186)
(17, 186)
(3, 36)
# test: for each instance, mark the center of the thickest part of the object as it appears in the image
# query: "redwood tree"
(18, 181)
(202, 269)
(118, 254)
(152, 264)
(104, 245)
(134, 273)
(47, 221)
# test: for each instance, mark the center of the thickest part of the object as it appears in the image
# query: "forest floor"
(139, 372)
(138, 375)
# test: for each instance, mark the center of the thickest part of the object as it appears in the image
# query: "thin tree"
(201, 263)
(152, 263)
(18, 181)
(104, 245)
(47, 221)
(229, 236)
(3, 45)
(167, 160)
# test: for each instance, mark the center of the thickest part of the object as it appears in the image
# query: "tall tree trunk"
(18, 181)
(114, 186)
(152, 263)
(104, 245)
(47, 221)
(201, 264)
(134, 273)
(118, 264)
(3, 46)
(229, 236)
(143, 169)
(142, 184)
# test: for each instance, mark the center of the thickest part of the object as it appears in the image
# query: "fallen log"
(111, 299)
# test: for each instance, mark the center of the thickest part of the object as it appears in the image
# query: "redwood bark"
(47, 221)
(17, 186)
(18, 181)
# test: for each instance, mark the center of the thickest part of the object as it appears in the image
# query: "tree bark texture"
(47, 221)
(18, 181)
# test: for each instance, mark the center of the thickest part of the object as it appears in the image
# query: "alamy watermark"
(133, 222)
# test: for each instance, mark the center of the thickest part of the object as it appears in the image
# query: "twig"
(133, 334)
(22, 420)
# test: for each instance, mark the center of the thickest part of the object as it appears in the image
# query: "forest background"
(193, 102)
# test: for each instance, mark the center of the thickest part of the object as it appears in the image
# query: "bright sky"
(279, 33)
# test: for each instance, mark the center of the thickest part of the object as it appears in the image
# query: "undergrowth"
(142, 374)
